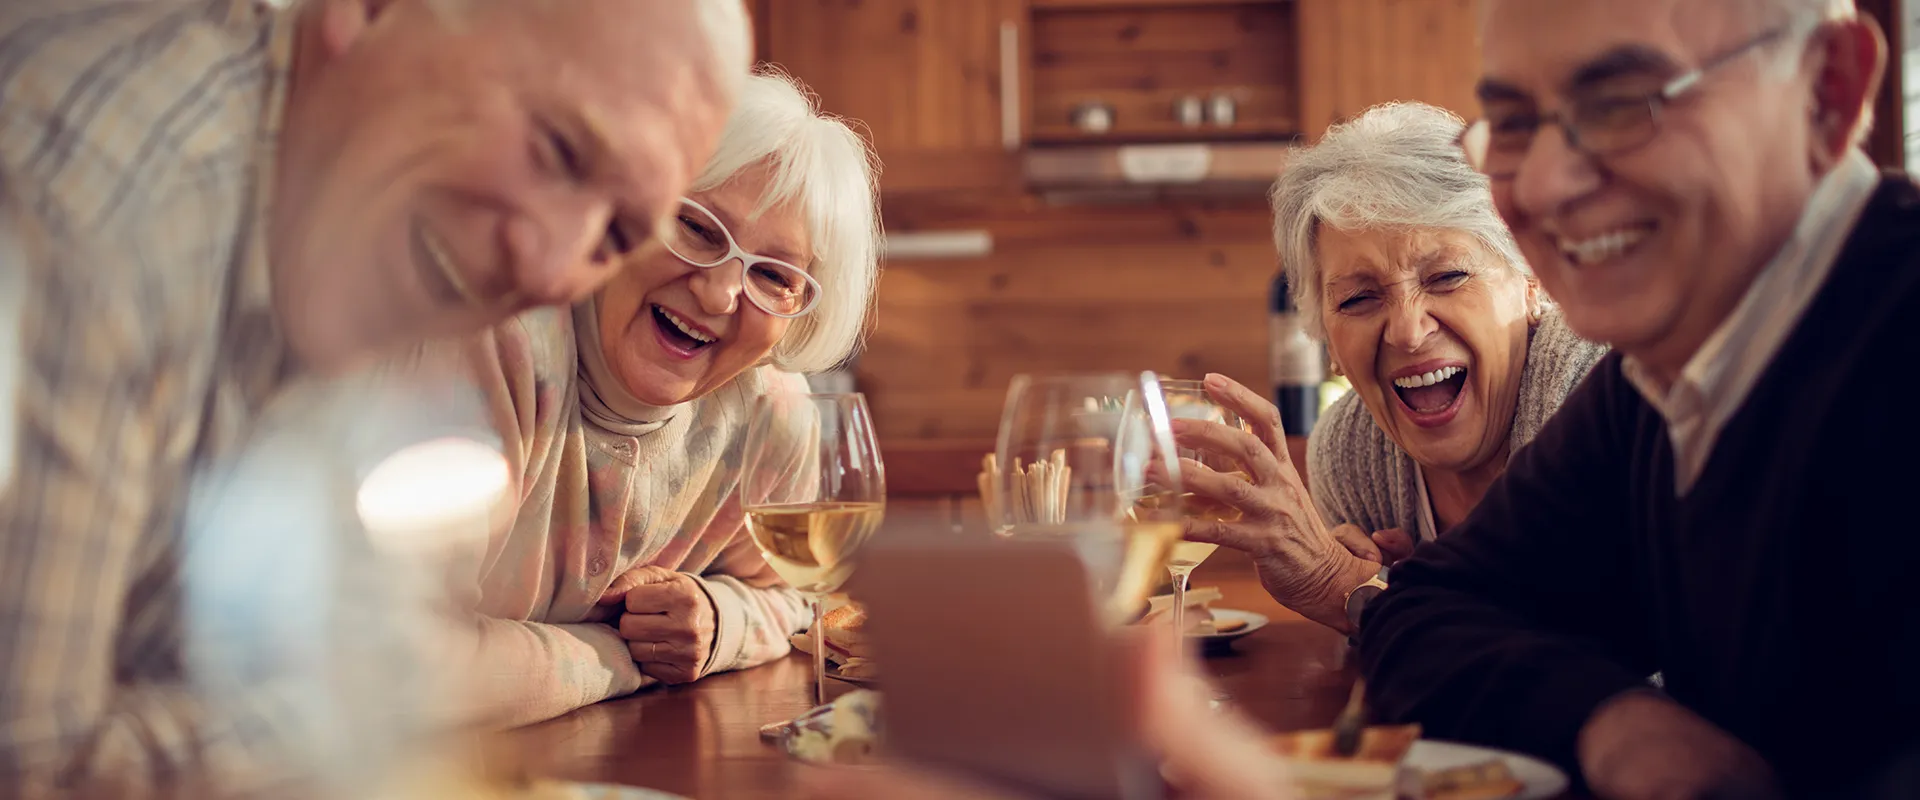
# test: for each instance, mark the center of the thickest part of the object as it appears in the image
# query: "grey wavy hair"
(817, 161)
(1396, 165)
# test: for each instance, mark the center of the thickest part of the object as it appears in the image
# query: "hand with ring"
(1301, 561)
(669, 622)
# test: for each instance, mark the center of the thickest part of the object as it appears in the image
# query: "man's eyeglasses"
(695, 235)
(1598, 126)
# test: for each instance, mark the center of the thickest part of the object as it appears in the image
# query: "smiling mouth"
(1431, 392)
(438, 271)
(1602, 248)
(679, 333)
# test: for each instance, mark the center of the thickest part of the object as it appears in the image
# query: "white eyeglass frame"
(747, 260)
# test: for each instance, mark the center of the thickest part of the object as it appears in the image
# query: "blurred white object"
(1222, 110)
(937, 244)
(1189, 111)
(432, 496)
(1165, 163)
(1093, 117)
(12, 286)
(337, 635)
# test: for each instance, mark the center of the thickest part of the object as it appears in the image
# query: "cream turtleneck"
(609, 484)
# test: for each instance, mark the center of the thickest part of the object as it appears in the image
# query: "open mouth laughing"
(680, 336)
(1432, 398)
(438, 270)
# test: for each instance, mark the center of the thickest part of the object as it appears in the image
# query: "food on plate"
(1371, 773)
(847, 647)
(1378, 770)
(1200, 619)
(1219, 625)
(845, 731)
(1486, 780)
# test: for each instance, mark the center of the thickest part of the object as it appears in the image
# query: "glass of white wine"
(814, 490)
(1076, 456)
(1189, 400)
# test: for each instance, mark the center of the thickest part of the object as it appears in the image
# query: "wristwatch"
(1359, 596)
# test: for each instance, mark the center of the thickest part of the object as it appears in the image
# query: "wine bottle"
(1298, 362)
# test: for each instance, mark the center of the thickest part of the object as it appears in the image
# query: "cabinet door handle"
(1010, 86)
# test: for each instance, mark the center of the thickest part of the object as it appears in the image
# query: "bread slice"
(1488, 780)
(846, 630)
(1199, 619)
(1372, 773)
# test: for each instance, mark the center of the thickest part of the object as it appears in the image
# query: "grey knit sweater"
(1356, 474)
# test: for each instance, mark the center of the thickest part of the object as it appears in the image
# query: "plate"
(1254, 622)
(833, 671)
(1539, 779)
(610, 791)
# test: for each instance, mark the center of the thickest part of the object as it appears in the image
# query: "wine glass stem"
(819, 656)
(1179, 575)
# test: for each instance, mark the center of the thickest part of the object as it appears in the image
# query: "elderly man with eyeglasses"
(1722, 500)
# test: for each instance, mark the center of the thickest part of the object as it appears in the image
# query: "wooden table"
(703, 740)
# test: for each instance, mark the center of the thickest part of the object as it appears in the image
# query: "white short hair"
(1397, 165)
(818, 161)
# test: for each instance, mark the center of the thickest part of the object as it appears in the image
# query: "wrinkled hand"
(1640, 745)
(668, 624)
(1300, 561)
(1207, 754)
(1384, 547)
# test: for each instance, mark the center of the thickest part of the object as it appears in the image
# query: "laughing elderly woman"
(628, 561)
(1398, 260)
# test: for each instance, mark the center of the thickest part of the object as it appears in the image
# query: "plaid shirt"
(136, 136)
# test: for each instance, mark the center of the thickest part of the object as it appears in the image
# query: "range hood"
(1151, 171)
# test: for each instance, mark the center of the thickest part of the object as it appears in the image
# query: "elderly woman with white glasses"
(1399, 261)
(627, 561)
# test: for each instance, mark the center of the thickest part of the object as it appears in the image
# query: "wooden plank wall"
(1358, 53)
(1181, 290)
(1139, 61)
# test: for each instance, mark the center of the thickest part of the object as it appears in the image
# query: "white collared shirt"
(1715, 382)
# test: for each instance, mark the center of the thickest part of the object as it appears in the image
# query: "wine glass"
(1189, 400)
(813, 490)
(1077, 456)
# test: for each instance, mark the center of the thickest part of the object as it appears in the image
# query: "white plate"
(609, 791)
(1254, 622)
(1540, 779)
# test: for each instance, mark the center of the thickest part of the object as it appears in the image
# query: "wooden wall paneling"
(951, 335)
(922, 77)
(1049, 5)
(1358, 53)
(1139, 61)
(1019, 221)
(1887, 142)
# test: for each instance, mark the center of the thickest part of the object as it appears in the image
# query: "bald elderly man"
(235, 195)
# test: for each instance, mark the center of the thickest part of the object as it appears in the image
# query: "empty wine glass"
(1077, 455)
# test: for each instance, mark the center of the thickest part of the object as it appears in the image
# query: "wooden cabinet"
(1359, 53)
(928, 79)
(1164, 71)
